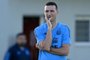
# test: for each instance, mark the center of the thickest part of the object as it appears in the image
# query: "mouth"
(49, 17)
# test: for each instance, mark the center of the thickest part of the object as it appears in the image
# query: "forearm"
(45, 44)
(59, 51)
(48, 40)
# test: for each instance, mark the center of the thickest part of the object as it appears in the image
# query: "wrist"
(47, 49)
(49, 29)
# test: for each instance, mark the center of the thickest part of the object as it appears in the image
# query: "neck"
(54, 23)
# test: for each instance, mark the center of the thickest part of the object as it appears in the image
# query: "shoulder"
(11, 48)
(40, 27)
(63, 26)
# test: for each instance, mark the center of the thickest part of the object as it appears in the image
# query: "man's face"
(21, 40)
(50, 11)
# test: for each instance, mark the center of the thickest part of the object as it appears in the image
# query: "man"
(53, 39)
(19, 51)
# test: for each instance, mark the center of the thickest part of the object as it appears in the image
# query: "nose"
(49, 13)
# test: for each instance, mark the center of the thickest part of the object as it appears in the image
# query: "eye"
(46, 11)
(51, 10)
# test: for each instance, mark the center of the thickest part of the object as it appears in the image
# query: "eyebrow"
(49, 10)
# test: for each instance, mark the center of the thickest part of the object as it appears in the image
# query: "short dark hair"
(19, 34)
(52, 3)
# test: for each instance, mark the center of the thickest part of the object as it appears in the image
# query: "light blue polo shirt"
(60, 35)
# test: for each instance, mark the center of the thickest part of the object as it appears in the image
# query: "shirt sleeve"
(66, 35)
(39, 34)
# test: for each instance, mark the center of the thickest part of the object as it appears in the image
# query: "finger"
(48, 18)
